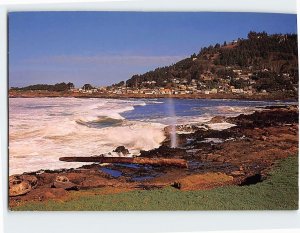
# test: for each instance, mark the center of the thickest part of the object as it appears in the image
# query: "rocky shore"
(239, 155)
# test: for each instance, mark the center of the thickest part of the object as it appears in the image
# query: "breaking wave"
(43, 129)
(73, 127)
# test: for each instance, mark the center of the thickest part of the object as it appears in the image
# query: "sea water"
(43, 129)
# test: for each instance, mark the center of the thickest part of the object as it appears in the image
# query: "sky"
(102, 48)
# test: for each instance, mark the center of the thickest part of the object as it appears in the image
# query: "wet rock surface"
(242, 155)
(121, 150)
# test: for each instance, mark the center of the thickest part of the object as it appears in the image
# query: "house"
(239, 72)
(182, 87)
(75, 90)
(249, 92)
(168, 91)
(191, 87)
(149, 92)
(214, 91)
(237, 91)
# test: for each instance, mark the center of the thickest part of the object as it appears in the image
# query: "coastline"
(254, 97)
(244, 156)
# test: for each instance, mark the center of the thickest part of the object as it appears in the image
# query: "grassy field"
(278, 192)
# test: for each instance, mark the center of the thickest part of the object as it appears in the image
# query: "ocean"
(43, 129)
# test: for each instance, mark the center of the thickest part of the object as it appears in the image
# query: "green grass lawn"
(278, 192)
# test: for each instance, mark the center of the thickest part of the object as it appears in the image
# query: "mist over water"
(172, 122)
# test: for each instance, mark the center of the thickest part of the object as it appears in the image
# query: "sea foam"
(40, 135)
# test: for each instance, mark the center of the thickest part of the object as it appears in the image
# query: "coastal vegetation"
(260, 62)
(278, 192)
(47, 87)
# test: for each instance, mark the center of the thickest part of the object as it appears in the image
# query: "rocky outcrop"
(21, 184)
(243, 155)
(203, 181)
(267, 118)
(121, 150)
(63, 182)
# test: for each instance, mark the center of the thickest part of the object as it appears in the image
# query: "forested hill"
(263, 61)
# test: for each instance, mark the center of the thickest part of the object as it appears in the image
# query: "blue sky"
(102, 48)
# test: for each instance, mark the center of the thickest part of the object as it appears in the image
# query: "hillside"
(260, 63)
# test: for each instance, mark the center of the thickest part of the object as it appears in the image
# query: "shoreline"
(256, 97)
(244, 154)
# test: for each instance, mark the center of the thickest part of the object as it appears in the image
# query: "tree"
(87, 87)
(70, 85)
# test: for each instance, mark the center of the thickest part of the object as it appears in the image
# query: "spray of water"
(172, 122)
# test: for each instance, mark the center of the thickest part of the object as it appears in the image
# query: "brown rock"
(65, 185)
(96, 182)
(121, 150)
(62, 179)
(21, 184)
(263, 138)
(33, 181)
(63, 182)
(237, 173)
(213, 157)
(46, 193)
(217, 119)
(18, 189)
(203, 181)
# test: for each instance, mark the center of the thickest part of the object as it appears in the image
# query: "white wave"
(184, 120)
(43, 129)
(220, 126)
(213, 140)
(39, 136)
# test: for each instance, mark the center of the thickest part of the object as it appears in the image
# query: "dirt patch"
(203, 181)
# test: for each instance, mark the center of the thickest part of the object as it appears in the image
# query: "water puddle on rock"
(129, 165)
(133, 172)
(111, 172)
